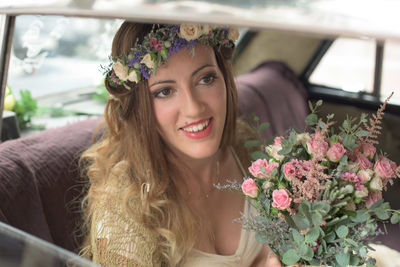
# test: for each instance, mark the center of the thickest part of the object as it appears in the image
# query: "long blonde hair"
(132, 149)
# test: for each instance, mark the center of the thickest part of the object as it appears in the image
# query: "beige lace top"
(118, 240)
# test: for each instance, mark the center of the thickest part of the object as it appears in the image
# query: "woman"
(170, 135)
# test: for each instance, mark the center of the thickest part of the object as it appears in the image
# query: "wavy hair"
(129, 137)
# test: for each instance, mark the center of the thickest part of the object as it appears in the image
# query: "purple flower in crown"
(144, 72)
(137, 58)
(174, 29)
(191, 44)
(178, 44)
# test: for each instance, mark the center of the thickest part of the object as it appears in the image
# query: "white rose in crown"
(233, 34)
(190, 31)
(133, 76)
(148, 61)
(121, 71)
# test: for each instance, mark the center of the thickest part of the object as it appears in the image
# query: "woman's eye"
(162, 93)
(208, 79)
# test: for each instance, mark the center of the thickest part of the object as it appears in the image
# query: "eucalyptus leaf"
(258, 155)
(309, 254)
(363, 252)
(301, 222)
(361, 216)
(343, 259)
(252, 143)
(263, 126)
(322, 207)
(342, 231)
(312, 235)
(298, 238)
(382, 213)
(311, 119)
(290, 257)
(319, 103)
(362, 133)
(316, 218)
(395, 218)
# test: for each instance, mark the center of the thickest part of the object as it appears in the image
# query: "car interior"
(41, 185)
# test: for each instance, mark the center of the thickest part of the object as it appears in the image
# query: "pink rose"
(373, 197)
(368, 150)
(336, 152)
(281, 199)
(363, 162)
(278, 140)
(262, 169)
(317, 146)
(289, 170)
(249, 188)
(384, 167)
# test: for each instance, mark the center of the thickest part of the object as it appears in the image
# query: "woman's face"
(189, 97)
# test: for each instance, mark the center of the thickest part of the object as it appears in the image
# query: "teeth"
(198, 127)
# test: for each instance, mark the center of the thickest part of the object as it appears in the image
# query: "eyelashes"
(206, 80)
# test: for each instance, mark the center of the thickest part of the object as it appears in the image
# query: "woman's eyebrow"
(162, 81)
(193, 73)
(200, 68)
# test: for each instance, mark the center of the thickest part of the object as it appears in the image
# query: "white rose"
(121, 70)
(133, 76)
(362, 193)
(205, 29)
(148, 61)
(273, 152)
(376, 184)
(190, 31)
(302, 138)
(366, 175)
(233, 34)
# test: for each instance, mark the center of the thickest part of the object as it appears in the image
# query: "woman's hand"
(266, 258)
(272, 260)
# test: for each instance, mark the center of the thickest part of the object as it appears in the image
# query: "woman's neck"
(198, 176)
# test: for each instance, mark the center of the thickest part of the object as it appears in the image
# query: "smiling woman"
(170, 134)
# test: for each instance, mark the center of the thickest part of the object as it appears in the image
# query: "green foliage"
(343, 259)
(101, 94)
(290, 257)
(25, 108)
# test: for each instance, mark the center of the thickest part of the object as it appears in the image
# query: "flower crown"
(160, 44)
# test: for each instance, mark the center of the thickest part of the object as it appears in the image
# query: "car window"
(391, 70)
(56, 62)
(348, 65)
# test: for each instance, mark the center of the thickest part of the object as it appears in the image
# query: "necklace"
(207, 194)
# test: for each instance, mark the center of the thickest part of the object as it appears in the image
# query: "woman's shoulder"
(118, 235)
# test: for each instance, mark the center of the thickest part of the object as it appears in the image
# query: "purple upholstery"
(39, 181)
(273, 93)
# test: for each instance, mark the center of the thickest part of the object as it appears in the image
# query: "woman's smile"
(198, 130)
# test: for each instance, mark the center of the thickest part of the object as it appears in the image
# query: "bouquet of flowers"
(319, 193)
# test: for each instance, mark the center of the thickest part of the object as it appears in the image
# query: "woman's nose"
(191, 104)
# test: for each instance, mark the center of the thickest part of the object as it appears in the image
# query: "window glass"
(58, 60)
(391, 71)
(54, 54)
(348, 65)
